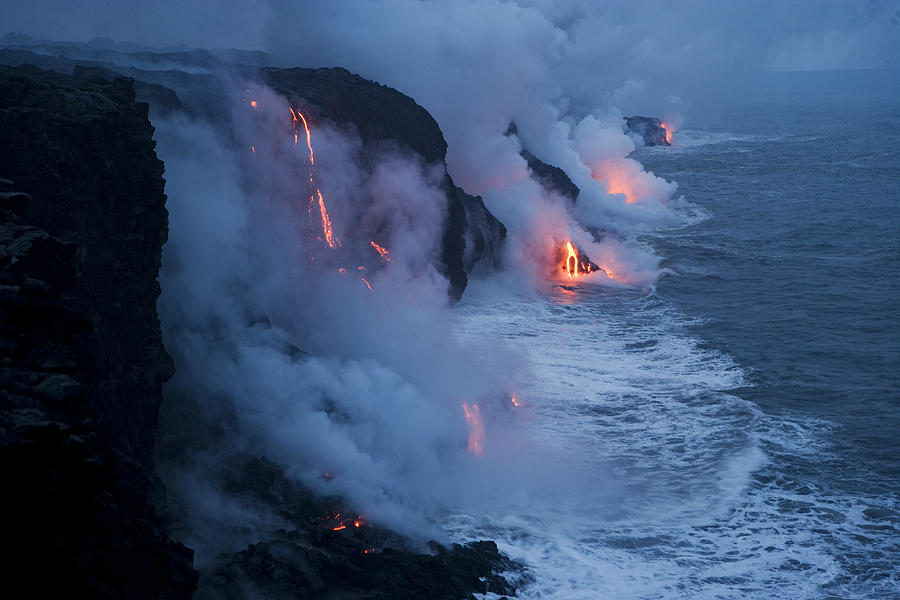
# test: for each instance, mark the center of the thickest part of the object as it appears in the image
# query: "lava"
(382, 251)
(327, 227)
(295, 114)
(573, 265)
(315, 194)
(576, 264)
(514, 401)
(476, 428)
(669, 131)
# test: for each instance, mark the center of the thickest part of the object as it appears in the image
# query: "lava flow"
(669, 131)
(476, 428)
(382, 251)
(315, 194)
(576, 264)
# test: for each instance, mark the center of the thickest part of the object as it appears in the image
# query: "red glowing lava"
(315, 194)
(669, 129)
(476, 428)
(382, 251)
(573, 265)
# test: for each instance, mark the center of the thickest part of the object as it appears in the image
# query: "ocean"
(736, 428)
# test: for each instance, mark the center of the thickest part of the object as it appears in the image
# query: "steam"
(477, 66)
(282, 350)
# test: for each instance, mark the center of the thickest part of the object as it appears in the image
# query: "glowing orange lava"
(573, 265)
(368, 285)
(669, 131)
(514, 401)
(382, 251)
(253, 103)
(339, 527)
(295, 114)
(315, 194)
(327, 227)
(476, 428)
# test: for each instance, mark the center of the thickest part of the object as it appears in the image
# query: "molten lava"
(315, 194)
(573, 265)
(382, 251)
(576, 264)
(476, 428)
(327, 227)
(669, 131)
(514, 402)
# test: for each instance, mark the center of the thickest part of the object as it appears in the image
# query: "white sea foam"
(683, 490)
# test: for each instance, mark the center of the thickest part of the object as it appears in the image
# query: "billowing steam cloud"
(327, 360)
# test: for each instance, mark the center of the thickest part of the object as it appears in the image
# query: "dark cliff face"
(376, 112)
(472, 235)
(552, 178)
(83, 361)
(86, 362)
(86, 155)
(649, 129)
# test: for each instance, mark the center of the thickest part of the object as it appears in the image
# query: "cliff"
(552, 178)
(83, 362)
(381, 114)
(378, 114)
(81, 233)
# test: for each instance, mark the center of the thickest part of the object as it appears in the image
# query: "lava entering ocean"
(574, 263)
(476, 428)
(670, 131)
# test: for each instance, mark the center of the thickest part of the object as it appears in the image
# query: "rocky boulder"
(648, 129)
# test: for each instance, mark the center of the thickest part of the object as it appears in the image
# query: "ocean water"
(736, 428)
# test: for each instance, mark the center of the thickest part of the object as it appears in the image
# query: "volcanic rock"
(649, 129)
(472, 235)
(81, 232)
(312, 560)
(80, 376)
(377, 113)
(552, 178)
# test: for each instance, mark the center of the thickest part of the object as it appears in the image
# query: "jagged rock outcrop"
(314, 561)
(649, 129)
(552, 178)
(472, 235)
(82, 359)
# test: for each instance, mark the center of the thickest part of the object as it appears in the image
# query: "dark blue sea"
(737, 428)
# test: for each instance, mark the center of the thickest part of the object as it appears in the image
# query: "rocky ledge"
(649, 129)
